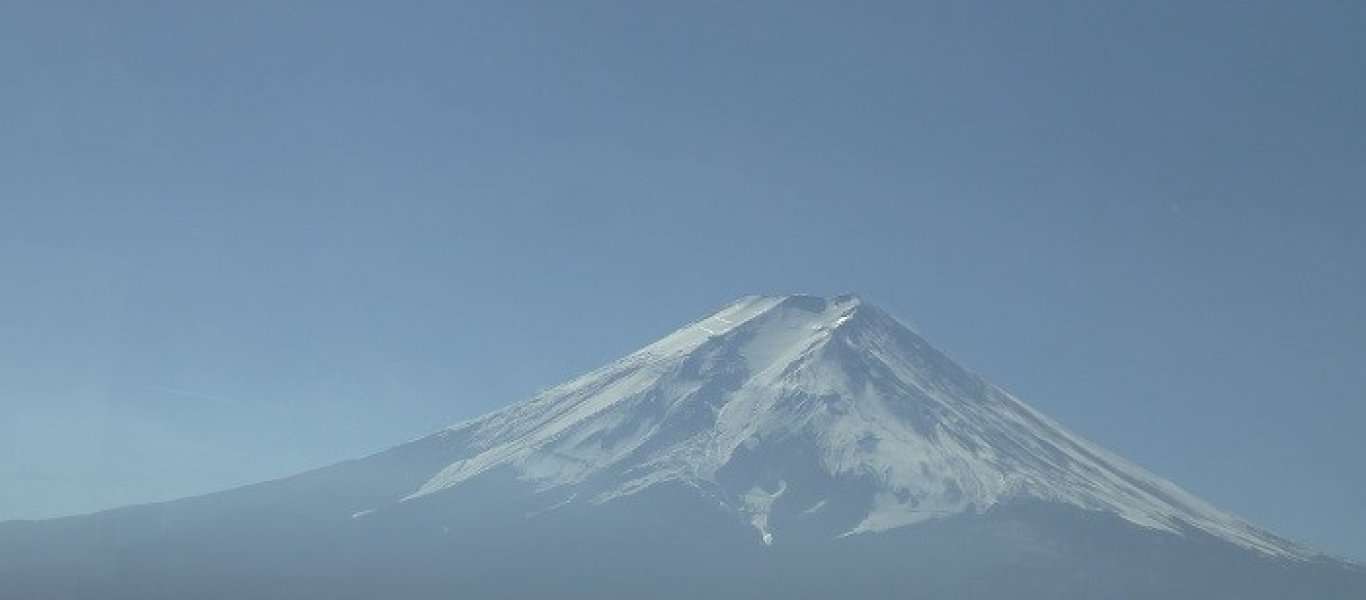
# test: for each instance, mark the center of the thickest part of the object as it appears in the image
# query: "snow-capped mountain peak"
(793, 408)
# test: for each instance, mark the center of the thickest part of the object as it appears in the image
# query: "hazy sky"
(237, 242)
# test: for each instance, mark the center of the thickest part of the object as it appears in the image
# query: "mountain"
(783, 447)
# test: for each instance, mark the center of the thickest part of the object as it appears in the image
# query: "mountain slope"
(859, 396)
(782, 447)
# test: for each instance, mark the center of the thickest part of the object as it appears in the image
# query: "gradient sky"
(244, 240)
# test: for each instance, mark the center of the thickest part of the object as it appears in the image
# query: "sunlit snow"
(847, 386)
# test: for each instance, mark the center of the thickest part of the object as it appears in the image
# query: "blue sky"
(243, 240)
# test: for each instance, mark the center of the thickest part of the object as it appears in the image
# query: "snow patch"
(758, 503)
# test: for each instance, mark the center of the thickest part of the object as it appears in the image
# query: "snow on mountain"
(798, 399)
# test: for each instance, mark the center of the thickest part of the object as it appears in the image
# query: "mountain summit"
(783, 447)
